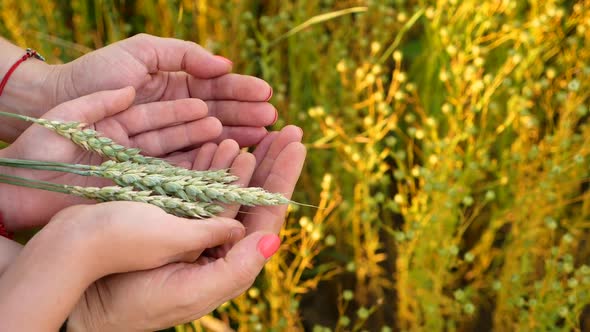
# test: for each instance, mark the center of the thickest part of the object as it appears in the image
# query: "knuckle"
(141, 36)
(199, 103)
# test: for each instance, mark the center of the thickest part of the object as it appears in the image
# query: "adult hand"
(157, 128)
(181, 292)
(168, 69)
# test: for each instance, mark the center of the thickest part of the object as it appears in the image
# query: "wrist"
(87, 230)
(48, 277)
(68, 241)
(28, 91)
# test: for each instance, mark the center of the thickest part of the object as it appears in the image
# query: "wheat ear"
(172, 205)
(92, 140)
(163, 181)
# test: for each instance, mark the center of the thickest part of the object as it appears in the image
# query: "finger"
(244, 114)
(93, 107)
(167, 140)
(183, 159)
(243, 168)
(206, 233)
(245, 136)
(146, 117)
(204, 157)
(210, 233)
(230, 87)
(168, 54)
(226, 278)
(286, 136)
(263, 146)
(225, 154)
(281, 178)
(139, 228)
(223, 157)
(241, 165)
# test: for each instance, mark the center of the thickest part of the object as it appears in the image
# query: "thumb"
(245, 260)
(203, 286)
(93, 107)
(169, 54)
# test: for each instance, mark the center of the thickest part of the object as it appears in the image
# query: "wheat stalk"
(92, 140)
(184, 185)
(172, 205)
(162, 180)
(176, 186)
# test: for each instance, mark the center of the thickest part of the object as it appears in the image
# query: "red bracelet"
(29, 54)
(3, 231)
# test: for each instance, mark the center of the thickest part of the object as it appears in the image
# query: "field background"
(448, 152)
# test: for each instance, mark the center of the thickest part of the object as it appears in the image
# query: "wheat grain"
(92, 140)
(195, 186)
(187, 185)
(171, 205)
(112, 169)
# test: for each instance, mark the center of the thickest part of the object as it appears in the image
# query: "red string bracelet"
(3, 231)
(29, 54)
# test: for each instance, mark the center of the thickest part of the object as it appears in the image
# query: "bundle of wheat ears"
(179, 191)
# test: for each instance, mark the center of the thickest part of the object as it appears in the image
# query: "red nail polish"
(225, 59)
(268, 245)
(270, 95)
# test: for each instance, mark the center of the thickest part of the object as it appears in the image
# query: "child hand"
(84, 243)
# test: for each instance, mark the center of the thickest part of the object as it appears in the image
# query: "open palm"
(169, 69)
(181, 292)
(158, 129)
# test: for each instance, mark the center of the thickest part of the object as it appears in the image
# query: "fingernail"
(301, 130)
(276, 117)
(268, 245)
(236, 234)
(270, 95)
(225, 59)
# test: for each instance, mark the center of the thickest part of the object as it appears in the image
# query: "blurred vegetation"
(448, 151)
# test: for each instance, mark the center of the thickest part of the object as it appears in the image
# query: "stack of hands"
(125, 266)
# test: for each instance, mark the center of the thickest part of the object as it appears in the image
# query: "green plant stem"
(19, 116)
(400, 35)
(318, 19)
(34, 184)
(46, 166)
